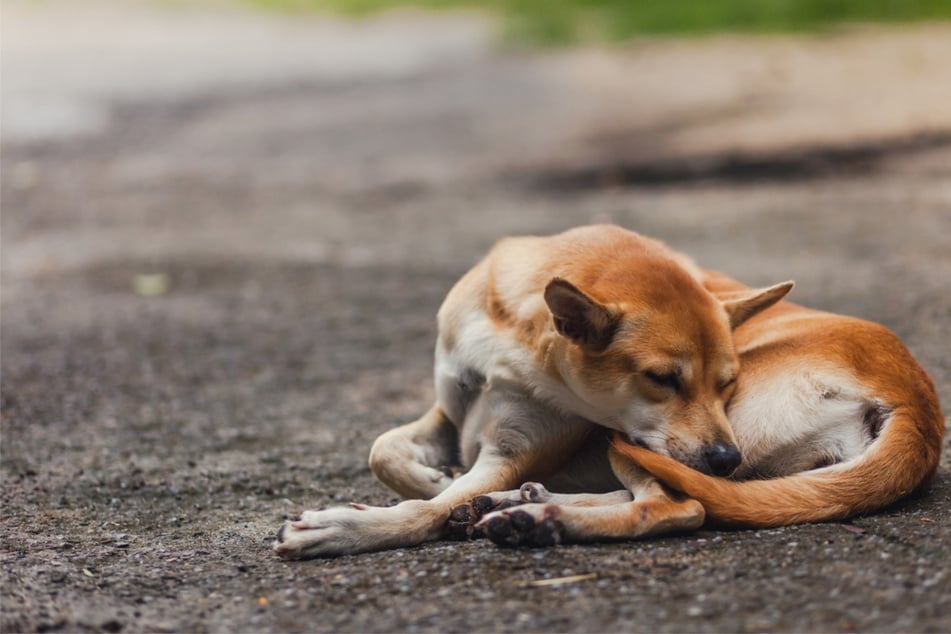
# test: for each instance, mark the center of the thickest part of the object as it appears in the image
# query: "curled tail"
(901, 460)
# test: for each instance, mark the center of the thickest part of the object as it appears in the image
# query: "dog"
(550, 344)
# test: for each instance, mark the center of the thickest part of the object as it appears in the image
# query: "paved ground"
(223, 249)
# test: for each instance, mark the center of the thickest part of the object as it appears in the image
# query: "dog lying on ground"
(549, 342)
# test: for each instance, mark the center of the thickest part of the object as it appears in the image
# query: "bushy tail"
(901, 460)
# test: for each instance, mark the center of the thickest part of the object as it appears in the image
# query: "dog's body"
(548, 341)
(833, 415)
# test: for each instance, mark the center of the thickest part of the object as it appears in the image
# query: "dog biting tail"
(903, 459)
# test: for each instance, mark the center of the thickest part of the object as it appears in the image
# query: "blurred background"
(227, 227)
(559, 22)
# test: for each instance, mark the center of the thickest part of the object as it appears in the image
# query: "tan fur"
(901, 460)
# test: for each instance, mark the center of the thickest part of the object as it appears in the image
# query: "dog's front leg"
(359, 528)
(652, 511)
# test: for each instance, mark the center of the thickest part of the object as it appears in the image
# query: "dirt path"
(220, 275)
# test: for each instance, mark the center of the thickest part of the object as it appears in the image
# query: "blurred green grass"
(566, 21)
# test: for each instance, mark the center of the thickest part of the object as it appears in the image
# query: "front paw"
(326, 533)
(359, 529)
(529, 525)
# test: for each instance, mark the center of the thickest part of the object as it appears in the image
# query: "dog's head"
(654, 358)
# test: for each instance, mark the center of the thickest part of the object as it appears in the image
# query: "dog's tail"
(902, 459)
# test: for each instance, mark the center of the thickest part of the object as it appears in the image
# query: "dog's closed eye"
(725, 385)
(663, 379)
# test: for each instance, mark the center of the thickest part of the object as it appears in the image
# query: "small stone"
(151, 284)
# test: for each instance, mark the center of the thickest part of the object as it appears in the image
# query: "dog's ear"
(744, 304)
(578, 317)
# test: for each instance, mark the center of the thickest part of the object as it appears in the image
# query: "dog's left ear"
(578, 317)
(743, 305)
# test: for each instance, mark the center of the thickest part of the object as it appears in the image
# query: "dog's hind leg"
(535, 492)
(465, 517)
(648, 514)
(416, 460)
(651, 511)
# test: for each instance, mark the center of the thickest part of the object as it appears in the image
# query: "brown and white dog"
(550, 341)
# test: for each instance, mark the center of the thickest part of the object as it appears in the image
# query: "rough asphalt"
(213, 301)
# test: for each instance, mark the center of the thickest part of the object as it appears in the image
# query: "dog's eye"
(663, 379)
(725, 385)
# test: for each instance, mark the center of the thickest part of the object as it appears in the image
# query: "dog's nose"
(722, 458)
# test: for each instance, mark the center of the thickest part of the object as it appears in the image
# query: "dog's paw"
(463, 518)
(318, 534)
(333, 532)
(529, 525)
(358, 529)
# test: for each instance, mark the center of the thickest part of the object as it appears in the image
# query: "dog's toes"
(481, 505)
(509, 529)
(500, 530)
(463, 519)
(462, 523)
(463, 513)
(520, 528)
(550, 532)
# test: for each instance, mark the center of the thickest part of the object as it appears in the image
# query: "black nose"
(722, 458)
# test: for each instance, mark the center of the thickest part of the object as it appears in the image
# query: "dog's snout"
(722, 458)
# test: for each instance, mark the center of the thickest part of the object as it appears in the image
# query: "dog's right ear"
(578, 317)
(742, 305)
